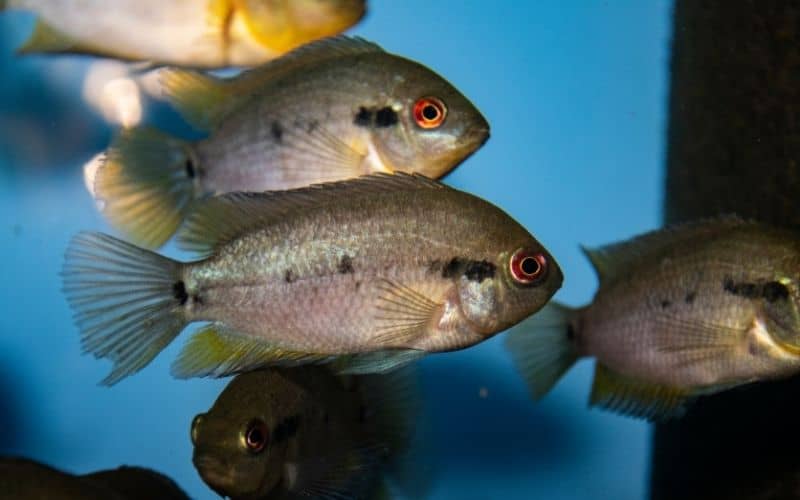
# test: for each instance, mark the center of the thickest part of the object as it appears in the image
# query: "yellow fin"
(203, 100)
(45, 38)
(635, 398)
(217, 351)
(220, 219)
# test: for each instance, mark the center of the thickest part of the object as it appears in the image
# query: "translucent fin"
(126, 300)
(635, 398)
(216, 351)
(354, 474)
(45, 38)
(375, 362)
(220, 219)
(405, 315)
(145, 185)
(542, 347)
(201, 99)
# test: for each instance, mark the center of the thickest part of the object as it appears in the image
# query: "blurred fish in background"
(195, 33)
(25, 479)
(332, 110)
(373, 272)
(306, 433)
(681, 312)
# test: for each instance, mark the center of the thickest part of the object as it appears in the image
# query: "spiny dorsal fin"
(221, 219)
(204, 100)
(635, 398)
(617, 259)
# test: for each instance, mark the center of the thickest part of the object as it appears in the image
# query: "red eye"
(256, 436)
(528, 267)
(429, 112)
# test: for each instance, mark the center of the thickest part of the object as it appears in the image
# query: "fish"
(689, 310)
(369, 273)
(331, 110)
(304, 432)
(23, 479)
(194, 33)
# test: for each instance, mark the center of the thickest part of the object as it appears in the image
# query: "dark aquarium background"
(576, 93)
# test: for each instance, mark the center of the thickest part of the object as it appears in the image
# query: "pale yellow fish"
(195, 33)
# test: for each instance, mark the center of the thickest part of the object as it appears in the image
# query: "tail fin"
(542, 347)
(126, 300)
(146, 184)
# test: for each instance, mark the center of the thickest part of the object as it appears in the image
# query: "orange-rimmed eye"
(429, 112)
(528, 266)
(256, 436)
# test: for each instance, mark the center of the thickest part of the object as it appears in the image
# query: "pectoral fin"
(404, 315)
(353, 473)
(635, 398)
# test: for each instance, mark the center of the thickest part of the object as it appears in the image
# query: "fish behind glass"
(332, 110)
(681, 312)
(372, 272)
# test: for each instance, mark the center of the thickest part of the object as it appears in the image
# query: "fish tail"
(543, 347)
(146, 184)
(127, 301)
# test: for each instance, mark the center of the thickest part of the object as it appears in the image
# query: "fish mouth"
(214, 473)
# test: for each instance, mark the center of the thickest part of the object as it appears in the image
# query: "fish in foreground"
(306, 433)
(22, 478)
(335, 109)
(681, 312)
(370, 272)
(194, 33)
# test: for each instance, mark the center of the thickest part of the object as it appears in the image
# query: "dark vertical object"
(734, 146)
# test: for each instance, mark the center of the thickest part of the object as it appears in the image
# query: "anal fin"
(635, 398)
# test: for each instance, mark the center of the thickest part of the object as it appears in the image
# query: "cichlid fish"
(304, 432)
(681, 312)
(195, 33)
(25, 479)
(336, 109)
(380, 269)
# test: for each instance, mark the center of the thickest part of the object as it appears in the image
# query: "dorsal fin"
(221, 219)
(617, 259)
(205, 100)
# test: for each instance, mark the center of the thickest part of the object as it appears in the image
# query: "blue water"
(576, 94)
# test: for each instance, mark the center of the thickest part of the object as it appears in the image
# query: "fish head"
(424, 124)
(240, 448)
(501, 290)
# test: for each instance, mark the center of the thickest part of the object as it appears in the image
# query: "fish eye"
(256, 436)
(429, 112)
(528, 267)
(198, 419)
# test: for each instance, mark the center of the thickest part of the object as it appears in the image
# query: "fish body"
(335, 109)
(680, 312)
(26, 479)
(381, 264)
(195, 33)
(292, 433)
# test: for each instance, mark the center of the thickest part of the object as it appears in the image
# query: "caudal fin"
(542, 347)
(126, 300)
(146, 184)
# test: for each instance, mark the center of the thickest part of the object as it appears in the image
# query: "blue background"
(576, 94)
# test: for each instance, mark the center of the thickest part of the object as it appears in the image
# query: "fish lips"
(214, 472)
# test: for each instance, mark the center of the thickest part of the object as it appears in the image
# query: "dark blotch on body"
(312, 126)
(345, 265)
(689, 298)
(190, 171)
(774, 291)
(179, 292)
(289, 276)
(570, 332)
(665, 304)
(452, 268)
(277, 131)
(473, 270)
(385, 117)
(285, 429)
(770, 291)
(363, 118)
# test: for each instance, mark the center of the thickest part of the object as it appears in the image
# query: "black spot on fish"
(689, 298)
(345, 265)
(774, 291)
(358, 285)
(196, 299)
(570, 332)
(385, 117)
(479, 271)
(312, 126)
(285, 429)
(277, 131)
(363, 118)
(747, 290)
(435, 266)
(452, 268)
(289, 277)
(665, 304)
(179, 292)
(190, 171)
